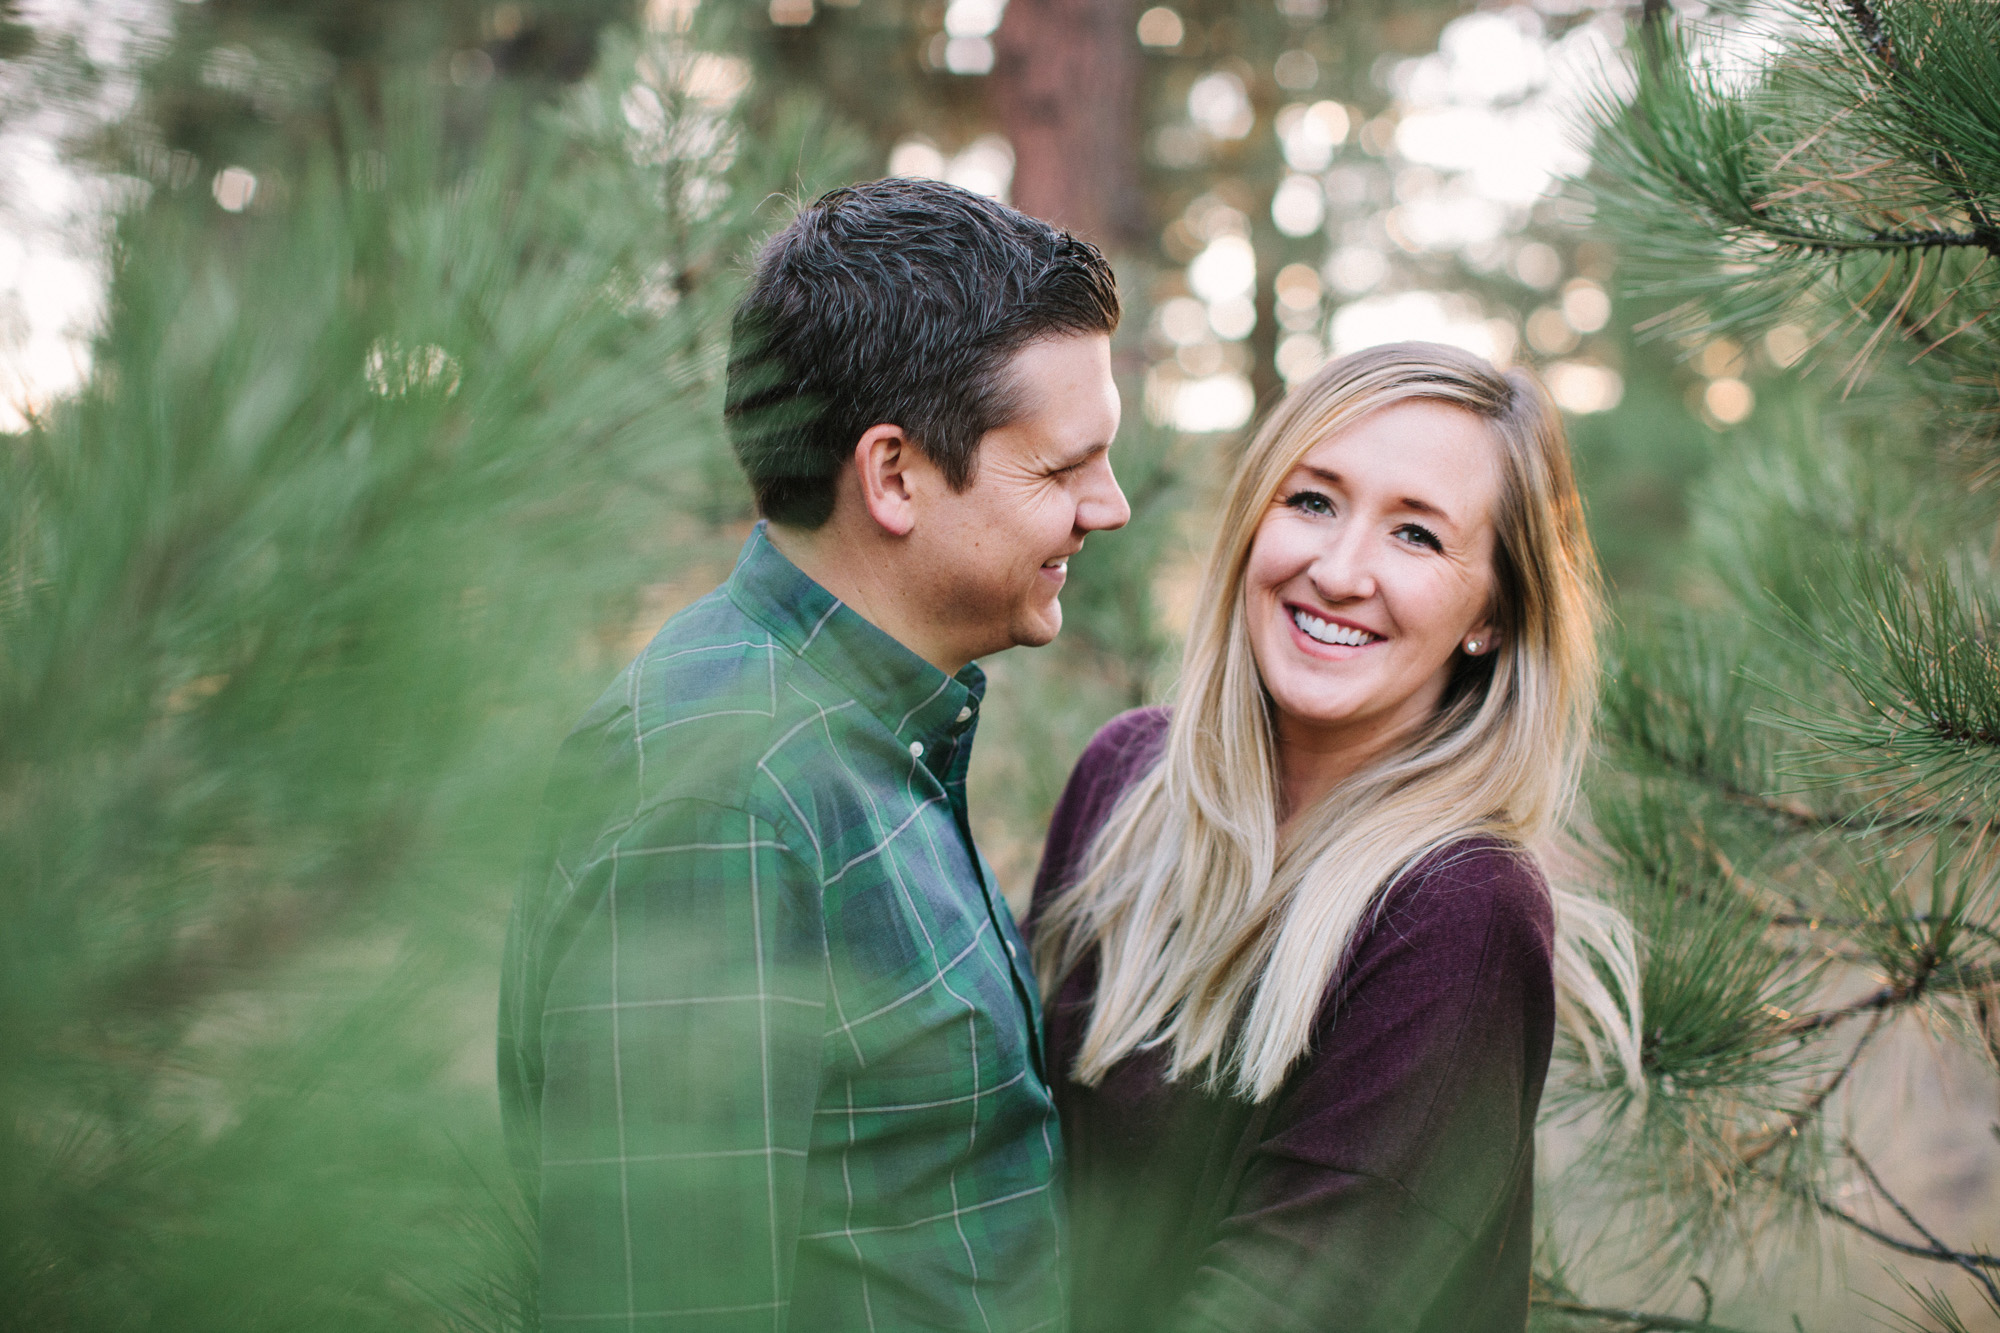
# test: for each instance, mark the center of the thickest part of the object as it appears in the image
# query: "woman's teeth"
(1061, 565)
(1325, 632)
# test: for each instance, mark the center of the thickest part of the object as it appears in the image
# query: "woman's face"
(1371, 570)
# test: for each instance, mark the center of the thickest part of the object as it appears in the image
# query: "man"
(770, 1046)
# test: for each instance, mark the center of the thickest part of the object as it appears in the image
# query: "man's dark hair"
(897, 302)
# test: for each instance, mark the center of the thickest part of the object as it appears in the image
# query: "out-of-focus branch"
(1883, 1238)
(1797, 815)
(1814, 1104)
(1939, 1249)
(1640, 1320)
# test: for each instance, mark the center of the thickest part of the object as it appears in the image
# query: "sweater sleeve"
(1397, 1147)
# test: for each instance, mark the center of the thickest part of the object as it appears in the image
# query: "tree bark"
(1065, 87)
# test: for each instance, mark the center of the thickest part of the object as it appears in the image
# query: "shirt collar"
(918, 703)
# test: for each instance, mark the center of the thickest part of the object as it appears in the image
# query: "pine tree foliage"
(296, 597)
(1850, 186)
(1801, 762)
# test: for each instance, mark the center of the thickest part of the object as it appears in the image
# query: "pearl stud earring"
(1472, 646)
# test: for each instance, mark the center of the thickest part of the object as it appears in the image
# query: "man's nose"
(1102, 506)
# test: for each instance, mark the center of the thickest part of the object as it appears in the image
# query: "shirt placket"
(951, 776)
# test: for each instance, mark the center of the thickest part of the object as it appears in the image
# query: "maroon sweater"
(1388, 1184)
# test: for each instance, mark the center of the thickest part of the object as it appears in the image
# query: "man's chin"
(1040, 629)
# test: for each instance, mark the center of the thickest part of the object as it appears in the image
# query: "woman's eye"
(1310, 502)
(1419, 535)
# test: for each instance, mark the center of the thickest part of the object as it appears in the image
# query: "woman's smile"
(1370, 571)
(1331, 631)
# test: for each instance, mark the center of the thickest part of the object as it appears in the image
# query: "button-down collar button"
(965, 712)
(1010, 948)
(916, 749)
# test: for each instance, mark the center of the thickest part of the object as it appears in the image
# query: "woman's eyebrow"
(1409, 502)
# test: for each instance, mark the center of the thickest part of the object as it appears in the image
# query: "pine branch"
(1885, 998)
(1787, 812)
(1907, 991)
(1896, 242)
(1640, 1320)
(1815, 1103)
(1795, 814)
(1883, 1238)
(1984, 234)
(1939, 1248)
(1802, 921)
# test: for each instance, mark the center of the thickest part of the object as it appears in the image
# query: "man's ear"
(883, 459)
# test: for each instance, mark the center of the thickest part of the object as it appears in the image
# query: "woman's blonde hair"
(1215, 938)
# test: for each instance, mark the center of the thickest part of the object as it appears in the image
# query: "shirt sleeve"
(680, 1052)
(1396, 1151)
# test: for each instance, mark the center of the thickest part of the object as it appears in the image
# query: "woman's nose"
(1342, 571)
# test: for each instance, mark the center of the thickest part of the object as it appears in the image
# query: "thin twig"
(1906, 991)
(1881, 1237)
(1826, 1018)
(1925, 238)
(1815, 1103)
(1977, 1273)
(1804, 921)
(1639, 1319)
(1798, 815)
(1707, 1296)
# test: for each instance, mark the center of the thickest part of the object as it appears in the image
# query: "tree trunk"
(1065, 88)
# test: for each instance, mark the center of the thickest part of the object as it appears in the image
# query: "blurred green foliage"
(378, 479)
(364, 499)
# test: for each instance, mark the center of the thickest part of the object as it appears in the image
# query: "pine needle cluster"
(1848, 186)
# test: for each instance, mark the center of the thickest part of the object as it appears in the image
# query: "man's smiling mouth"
(1060, 565)
(1322, 631)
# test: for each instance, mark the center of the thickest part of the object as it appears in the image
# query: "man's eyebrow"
(1409, 502)
(1078, 457)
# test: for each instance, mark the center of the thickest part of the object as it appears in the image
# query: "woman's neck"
(1314, 759)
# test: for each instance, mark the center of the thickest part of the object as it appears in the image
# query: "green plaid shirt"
(770, 1049)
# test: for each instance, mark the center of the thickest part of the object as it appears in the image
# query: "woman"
(1301, 969)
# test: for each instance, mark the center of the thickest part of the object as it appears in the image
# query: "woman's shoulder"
(1467, 926)
(1118, 755)
(1126, 746)
(1474, 888)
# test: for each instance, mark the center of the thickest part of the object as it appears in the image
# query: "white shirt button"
(1010, 948)
(965, 712)
(916, 749)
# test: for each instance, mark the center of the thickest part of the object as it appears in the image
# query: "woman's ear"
(1482, 638)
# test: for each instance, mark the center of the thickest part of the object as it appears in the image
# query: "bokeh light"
(1220, 105)
(1787, 345)
(1443, 317)
(1161, 27)
(234, 189)
(1584, 387)
(1298, 207)
(1585, 305)
(1310, 135)
(1728, 400)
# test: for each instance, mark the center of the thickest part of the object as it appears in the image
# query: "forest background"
(395, 434)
